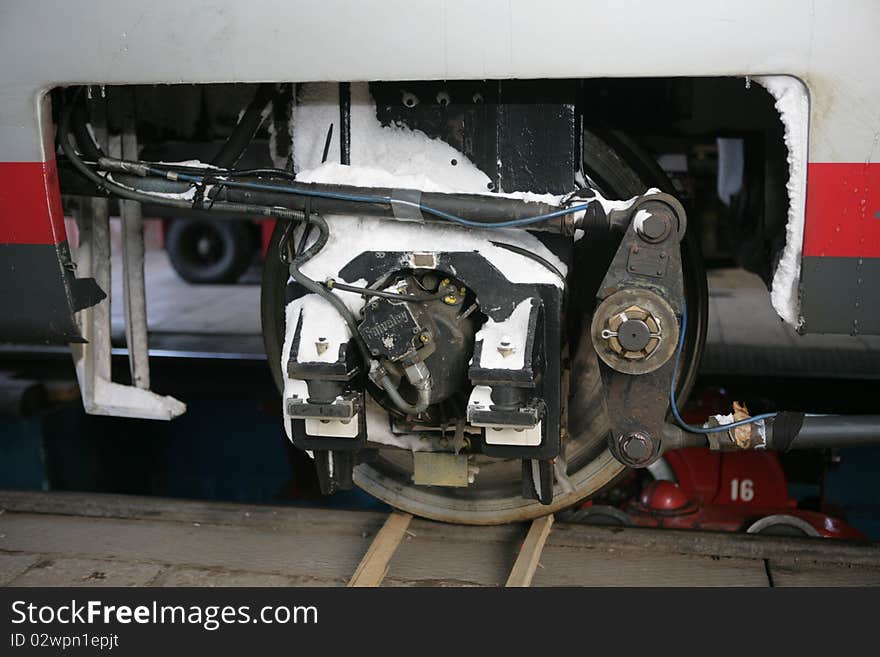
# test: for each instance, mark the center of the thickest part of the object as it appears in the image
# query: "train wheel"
(585, 467)
(210, 252)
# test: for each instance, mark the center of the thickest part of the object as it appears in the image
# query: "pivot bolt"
(636, 447)
(655, 227)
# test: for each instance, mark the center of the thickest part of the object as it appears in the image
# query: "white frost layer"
(640, 218)
(481, 396)
(188, 195)
(397, 151)
(333, 173)
(321, 325)
(793, 105)
(379, 431)
(109, 398)
(381, 156)
(364, 176)
(510, 333)
(321, 322)
(192, 164)
(721, 419)
(609, 205)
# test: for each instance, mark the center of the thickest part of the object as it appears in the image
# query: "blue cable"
(674, 406)
(360, 198)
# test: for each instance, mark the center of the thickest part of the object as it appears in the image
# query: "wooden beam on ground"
(373, 567)
(530, 553)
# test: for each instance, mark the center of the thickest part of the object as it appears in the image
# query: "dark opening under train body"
(483, 299)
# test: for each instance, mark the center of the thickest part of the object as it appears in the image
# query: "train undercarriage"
(477, 305)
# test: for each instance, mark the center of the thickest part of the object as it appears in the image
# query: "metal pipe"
(477, 207)
(245, 129)
(133, 282)
(423, 401)
(783, 434)
(134, 195)
(823, 431)
(344, 123)
(661, 470)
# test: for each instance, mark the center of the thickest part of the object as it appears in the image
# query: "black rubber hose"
(529, 254)
(422, 403)
(229, 153)
(827, 431)
(228, 156)
(245, 129)
(344, 123)
(313, 286)
(476, 207)
(103, 183)
(67, 147)
(82, 135)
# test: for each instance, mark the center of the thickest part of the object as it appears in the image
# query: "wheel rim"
(203, 245)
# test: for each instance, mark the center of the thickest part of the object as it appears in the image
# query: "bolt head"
(636, 447)
(655, 227)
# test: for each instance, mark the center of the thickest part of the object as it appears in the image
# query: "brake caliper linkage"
(635, 327)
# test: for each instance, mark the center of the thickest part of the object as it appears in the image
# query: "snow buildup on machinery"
(793, 106)
(396, 157)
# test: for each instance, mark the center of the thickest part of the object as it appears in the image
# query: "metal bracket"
(635, 328)
(102, 396)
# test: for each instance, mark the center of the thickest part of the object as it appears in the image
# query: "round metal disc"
(662, 312)
(634, 335)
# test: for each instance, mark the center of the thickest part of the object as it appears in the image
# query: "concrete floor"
(746, 337)
(186, 317)
(74, 539)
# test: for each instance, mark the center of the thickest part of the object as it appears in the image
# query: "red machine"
(729, 492)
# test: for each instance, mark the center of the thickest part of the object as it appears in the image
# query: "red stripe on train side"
(30, 203)
(843, 210)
